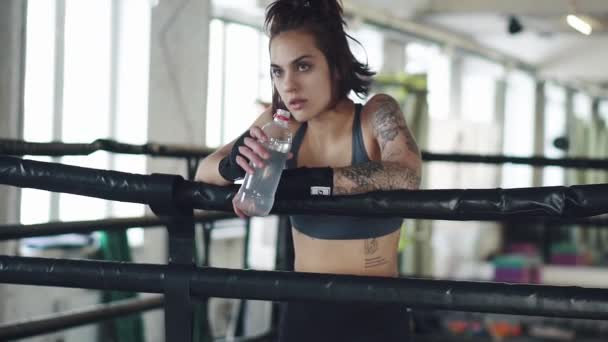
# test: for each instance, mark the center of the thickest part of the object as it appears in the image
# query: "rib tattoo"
(371, 247)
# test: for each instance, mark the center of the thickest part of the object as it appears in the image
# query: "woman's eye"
(275, 72)
(303, 67)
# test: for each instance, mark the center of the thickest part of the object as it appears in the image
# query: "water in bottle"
(256, 195)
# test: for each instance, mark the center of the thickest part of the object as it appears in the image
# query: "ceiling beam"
(518, 7)
(385, 19)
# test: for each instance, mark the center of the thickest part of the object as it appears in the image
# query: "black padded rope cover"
(110, 185)
(462, 205)
(480, 204)
(536, 300)
(57, 149)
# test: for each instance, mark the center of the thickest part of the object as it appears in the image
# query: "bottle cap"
(283, 114)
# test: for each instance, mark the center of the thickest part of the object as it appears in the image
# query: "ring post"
(179, 308)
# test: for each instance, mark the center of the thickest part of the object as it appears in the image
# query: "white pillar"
(539, 130)
(456, 61)
(179, 45)
(179, 48)
(12, 64)
(178, 80)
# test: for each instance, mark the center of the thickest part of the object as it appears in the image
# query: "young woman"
(349, 148)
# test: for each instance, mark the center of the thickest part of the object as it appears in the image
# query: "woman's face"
(300, 74)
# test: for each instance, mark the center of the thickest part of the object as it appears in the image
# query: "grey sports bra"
(341, 227)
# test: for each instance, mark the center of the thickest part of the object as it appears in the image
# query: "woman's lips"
(297, 104)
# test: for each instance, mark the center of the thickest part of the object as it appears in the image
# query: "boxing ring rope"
(22, 148)
(57, 149)
(572, 163)
(536, 300)
(175, 192)
(17, 231)
(76, 318)
(173, 198)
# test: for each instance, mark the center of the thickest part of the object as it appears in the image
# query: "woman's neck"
(332, 122)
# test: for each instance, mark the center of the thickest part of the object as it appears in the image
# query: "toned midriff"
(369, 257)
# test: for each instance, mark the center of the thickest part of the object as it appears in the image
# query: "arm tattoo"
(398, 169)
(389, 123)
(374, 176)
(411, 142)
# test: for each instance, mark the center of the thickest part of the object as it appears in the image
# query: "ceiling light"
(579, 24)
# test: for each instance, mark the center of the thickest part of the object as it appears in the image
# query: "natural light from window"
(86, 109)
(38, 98)
(603, 111)
(430, 60)
(518, 129)
(104, 95)
(555, 127)
(479, 77)
(213, 116)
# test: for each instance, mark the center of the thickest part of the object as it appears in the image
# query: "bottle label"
(281, 117)
(320, 191)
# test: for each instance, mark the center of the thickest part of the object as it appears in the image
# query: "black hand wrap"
(304, 182)
(228, 167)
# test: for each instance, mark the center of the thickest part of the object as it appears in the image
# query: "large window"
(371, 49)
(518, 129)
(555, 127)
(429, 59)
(603, 110)
(239, 80)
(86, 94)
(39, 97)
(239, 87)
(86, 78)
(582, 104)
(479, 77)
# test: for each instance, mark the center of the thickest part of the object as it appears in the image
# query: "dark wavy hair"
(324, 20)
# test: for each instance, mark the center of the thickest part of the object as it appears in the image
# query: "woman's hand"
(252, 154)
(253, 151)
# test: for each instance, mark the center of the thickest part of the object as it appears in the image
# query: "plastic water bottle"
(256, 195)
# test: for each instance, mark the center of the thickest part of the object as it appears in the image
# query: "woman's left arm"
(400, 164)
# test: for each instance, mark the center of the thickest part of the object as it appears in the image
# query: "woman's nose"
(289, 82)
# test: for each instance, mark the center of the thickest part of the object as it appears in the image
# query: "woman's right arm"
(208, 168)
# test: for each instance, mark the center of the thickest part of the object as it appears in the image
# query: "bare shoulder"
(381, 113)
(379, 101)
(380, 108)
(386, 120)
